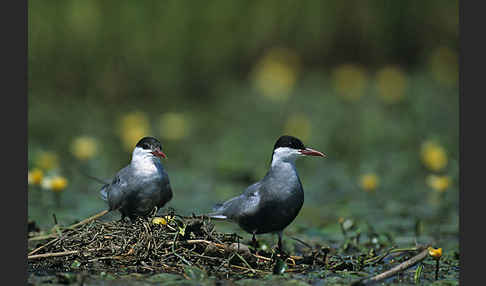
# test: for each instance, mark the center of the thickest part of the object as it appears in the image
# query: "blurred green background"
(373, 84)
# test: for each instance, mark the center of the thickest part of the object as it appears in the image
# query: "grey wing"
(167, 193)
(115, 192)
(245, 204)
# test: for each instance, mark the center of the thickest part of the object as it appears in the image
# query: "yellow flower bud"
(438, 183)
(369, 182)
(275, 75)
(433, 156)
(58, 184)
(159, 220)
(435, 253)
(84, 147)
(35, 177)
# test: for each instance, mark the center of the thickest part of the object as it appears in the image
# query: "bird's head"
(150, 145)
(288, 148)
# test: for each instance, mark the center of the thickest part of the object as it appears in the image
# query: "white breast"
(143, 163)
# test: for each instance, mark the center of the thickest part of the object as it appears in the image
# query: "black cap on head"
(149, 143)
(290, 142)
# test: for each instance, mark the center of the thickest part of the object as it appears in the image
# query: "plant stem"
(437, 269)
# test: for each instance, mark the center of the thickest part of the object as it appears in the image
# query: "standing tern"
(142, 185)
(270, 205)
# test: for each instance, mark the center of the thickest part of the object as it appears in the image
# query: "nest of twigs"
(171, 245)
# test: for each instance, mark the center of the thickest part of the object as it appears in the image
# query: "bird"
(271, 204)
(142, 185)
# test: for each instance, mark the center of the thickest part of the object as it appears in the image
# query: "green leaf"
(418, 272)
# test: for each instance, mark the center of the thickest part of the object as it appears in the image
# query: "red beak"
(312, 152)
(159, 153)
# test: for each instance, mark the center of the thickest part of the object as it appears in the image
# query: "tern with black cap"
(142, 185)
(270, 205)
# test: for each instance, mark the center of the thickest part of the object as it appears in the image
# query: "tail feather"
(217, 212)
(217, 216)
(104, 193)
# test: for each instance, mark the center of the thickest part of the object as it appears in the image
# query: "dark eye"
(146, 146)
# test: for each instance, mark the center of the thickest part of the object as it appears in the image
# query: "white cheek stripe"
(285, 154)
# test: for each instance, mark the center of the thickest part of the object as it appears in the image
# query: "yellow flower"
(275, 74)
(84, 147)
(58, 183)
(444, 66)
(159, 220)
(173, 126)
(133, 127)
(47, 160)
(298, 125)
(35, 177)
(438, 183)
(369, 182)
(435, 253)
(433, 156)
(349, 81)
(391, 83)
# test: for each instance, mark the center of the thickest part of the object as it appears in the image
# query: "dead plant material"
(142, 246)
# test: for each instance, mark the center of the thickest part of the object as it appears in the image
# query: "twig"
(262, 257)
(41, 247)
(52, 254)
(400, 267)
(244, 261)
(204, 256)
(85, 221)
(180, 257)
(55, 235)
(106, 257)
(226, 261)
(405, 249)
(302, 242)
(42, 237)
(377, 259)
(195, 241)
(244, 268)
